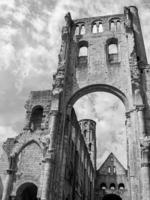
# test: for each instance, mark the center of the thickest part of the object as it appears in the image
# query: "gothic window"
(121, 186)
(103, 186)
(36, 118)
(112, 50)
(112, 186)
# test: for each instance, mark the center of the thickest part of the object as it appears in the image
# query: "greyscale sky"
(30, 35)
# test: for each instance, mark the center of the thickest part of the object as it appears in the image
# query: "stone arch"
(102, 88)
(28, 189)
(23, 145)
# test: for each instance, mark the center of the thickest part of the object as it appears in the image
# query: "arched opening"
(27, 191)
(103, 186)
(94, 28)
(121, 186)
(107, 110)
(83, 54)
(112, 50)
(100, 28)
(112, 186)
(82, 32)
(111, 197)
(36, 118)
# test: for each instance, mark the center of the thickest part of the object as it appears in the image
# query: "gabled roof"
(107, 160)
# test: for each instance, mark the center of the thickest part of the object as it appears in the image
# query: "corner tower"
(88, 129)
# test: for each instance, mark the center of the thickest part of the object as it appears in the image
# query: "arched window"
(103, 186)
(112, 26)
(115, 24)
(112, 50)
(112, 186)
(77, 31)
(100, 28)
(121, 186)
(94, 28)
(36, 118)
(82, 32)
(109, 169)
(83, 48)
(118, 26)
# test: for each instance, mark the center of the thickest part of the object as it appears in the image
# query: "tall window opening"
(97, 27)
(77, 31)
(118, 26)
(112, 26)
(112, 50)
(94, 28)
(36, 118)
(100, 28)
(82, 32)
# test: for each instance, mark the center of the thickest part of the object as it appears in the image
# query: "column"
(139, 109)
(46, 193)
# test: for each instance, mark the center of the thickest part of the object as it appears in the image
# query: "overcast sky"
(30, 32)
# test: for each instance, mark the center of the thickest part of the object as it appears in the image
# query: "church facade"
(54, 158)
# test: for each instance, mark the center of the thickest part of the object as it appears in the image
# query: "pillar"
(46, 193)
(141, 123)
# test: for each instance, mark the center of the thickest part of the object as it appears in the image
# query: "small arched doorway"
(27, 191)
(111, 197)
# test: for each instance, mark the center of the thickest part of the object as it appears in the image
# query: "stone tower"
(88, 130)
(50, 160)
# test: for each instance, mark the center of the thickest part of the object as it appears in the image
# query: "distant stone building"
(111, 179)
(54, 158)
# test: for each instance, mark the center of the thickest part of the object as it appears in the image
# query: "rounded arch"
(27, 190)
(101, 88)
(36, 117)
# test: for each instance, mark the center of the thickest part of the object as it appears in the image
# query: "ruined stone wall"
(79, 170)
